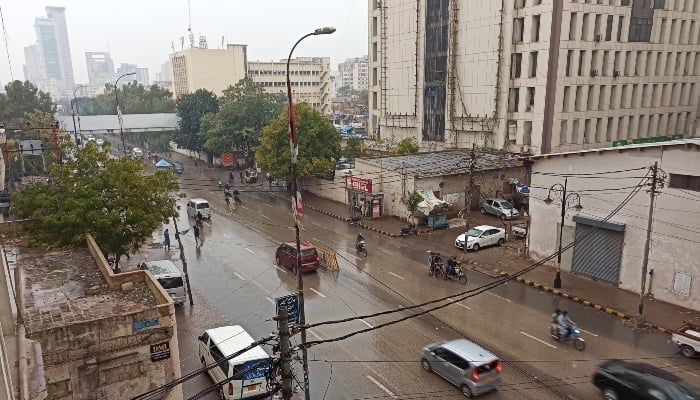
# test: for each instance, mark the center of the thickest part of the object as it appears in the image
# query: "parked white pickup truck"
(687, 337)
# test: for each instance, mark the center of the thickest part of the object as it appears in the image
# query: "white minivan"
(169, 277)
(246, 373)
(198, 205)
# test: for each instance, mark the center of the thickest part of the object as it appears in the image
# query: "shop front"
(361, 199)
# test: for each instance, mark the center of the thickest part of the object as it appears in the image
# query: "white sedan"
(100, 142)
(481, 236)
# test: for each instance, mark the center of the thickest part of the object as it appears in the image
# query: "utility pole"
(285, 356)
(468, 197)
(182, 258)
(647, 241)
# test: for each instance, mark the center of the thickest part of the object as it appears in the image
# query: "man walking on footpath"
(197, 241)
(166, 240)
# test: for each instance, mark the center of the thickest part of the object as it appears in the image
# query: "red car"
(286, 255)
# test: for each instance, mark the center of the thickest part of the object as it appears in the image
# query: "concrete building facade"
(211, 69)
(140, 77)
(100, 69)
(612, 250)
(353, 73)
(533, 76)
(310, 77)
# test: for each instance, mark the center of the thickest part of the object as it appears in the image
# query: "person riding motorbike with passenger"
(565, 324)
(198, 218)
(554, 320)
(237, 196)
(451, 266)
(359, 241)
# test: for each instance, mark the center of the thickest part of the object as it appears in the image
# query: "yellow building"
(310, 77)
(211, 69)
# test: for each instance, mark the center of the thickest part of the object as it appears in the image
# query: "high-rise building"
(534, 76)
(211, 69)
(56, 67)
(100, 68)
(310, 77)
(353, 73)
(33, 66)
(166, 72)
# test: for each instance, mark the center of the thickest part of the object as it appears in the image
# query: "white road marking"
(366, 323)
(250, 250)
(376, 382)
(459, 304)
(312, 333)
(281, 269)
(207, 223)
(385, 251)
(588, 332)
(264, 216)
(313, 223)
(290, 227)
(539, 340)
(239, 275)
(242, 206)
(502, 298)
(346, 254)
(398, 276)
(270, 300)
(268, 204)
(317, 292)
(226, 236)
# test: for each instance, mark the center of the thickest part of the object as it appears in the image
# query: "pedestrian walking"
(196, 235)
(240, 174)
(166, 240)
(269, 179)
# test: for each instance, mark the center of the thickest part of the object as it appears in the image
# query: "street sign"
(291, 303)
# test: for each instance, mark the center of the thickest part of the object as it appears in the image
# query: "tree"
(110, 198)
(355, 147)
(20, 98)
(346, 91)
(244, 110)
(411, 202)
(405, 146)
(133, 98)
(318, 143)
(191, 108)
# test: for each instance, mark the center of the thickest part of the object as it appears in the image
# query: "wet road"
(235, 275)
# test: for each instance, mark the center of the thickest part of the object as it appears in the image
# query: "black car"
(624, 380)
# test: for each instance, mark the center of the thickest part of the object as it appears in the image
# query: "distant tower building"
(141, 76)
(54, 52)
(100, 68)
(166, 72)
(33, 66)
(211, 69)
(353, 73)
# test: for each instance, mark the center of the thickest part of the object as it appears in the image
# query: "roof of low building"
(691, 142)
(161, 121)
(440, 163)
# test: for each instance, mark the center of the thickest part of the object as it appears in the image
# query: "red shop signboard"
(358, 184)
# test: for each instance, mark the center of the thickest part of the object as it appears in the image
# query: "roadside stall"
(361, 199)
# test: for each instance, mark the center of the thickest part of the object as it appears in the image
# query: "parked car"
(519, 231)
(286, 256)
(465, 364)
(481, 236)
(624, 380)
(100, 142)
(178, 167)
(137, 153)
(687, 337)
(5, 203)
(198, 205)
(499, 207)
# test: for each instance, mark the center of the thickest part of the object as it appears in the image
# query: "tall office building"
(141, 74)
(353, 73)
(533, 76)
(211, 69)
(50, 65)
(100, 68)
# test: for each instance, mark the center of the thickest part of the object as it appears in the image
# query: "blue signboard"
(255, 369)
(291, 303)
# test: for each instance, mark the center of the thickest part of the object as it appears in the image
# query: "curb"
(580, 300)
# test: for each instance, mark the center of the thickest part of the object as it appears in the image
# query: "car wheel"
(501, 241)
(687, 351)
(425, 364)
(475, 247)
(204, 363)
(483, 210)
(466, 391)
(610, 394)
(503, 217)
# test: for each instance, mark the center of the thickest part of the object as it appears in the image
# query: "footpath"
(606, 298)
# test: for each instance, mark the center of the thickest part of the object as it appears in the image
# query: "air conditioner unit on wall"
(597, 38)
(616, 74)
(594, 72)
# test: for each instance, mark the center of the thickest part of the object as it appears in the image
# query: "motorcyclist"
(231, 177)
(198, 218)
(554, 320)
(220, 183)
(451, 265)
(565, 324)
(360, 240)
(237, 196)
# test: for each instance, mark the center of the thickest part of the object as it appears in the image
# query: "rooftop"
(64, 287)
(692, 143)
(440, 163)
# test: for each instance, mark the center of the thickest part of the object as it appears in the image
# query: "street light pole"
(75, 111)
(565, 199)
(119, 111)
(297, 211)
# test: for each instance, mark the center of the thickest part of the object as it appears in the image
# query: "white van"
(246, 371)
(200, 205)
(169, 277)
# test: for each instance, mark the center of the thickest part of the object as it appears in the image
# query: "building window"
(685, 182)
(640, 30)
(513, 99)
(620, 22)
(533, 64)
(530, 99)
(608, 28)
(569, 55)
(375, 104)
(535, 28)
(515, 65)
(572, 26)
(518, 25)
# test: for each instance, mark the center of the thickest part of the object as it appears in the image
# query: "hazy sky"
(141, 31)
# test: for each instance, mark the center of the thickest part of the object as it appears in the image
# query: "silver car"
(465, 364)
(499, 207)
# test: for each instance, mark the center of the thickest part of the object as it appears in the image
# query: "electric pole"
(285, 356)
(647, 242)
(184, 261)
(468, 197)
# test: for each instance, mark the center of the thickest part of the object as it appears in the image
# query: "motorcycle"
(573, 337)
(438, 270)
(355, 220)
(199, 222)
(458, 275)
(237, 199)
(361, 248)
(409, 230)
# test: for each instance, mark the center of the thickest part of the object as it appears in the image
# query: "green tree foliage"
(318, 142)
(244, 110)
(133, 99)
(406, 146)
(355, 148)
(20, 98)
(110, 198)
(411, 202)
(191, 108)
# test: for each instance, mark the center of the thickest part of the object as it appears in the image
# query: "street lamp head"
(130, 73)
(548, 200)
(578, 207)
(326, 30)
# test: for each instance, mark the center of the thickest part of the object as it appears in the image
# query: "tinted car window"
(202, 205)
(308, 252)
(170, 283)
(487, 367)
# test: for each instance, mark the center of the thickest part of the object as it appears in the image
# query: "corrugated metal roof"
(451, 162)
(618, 149)
(131, 121)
